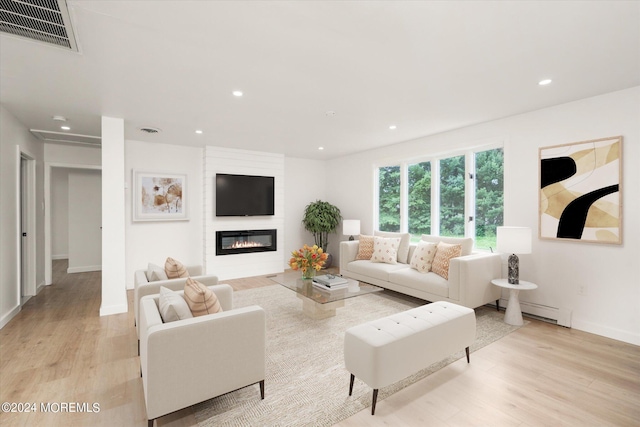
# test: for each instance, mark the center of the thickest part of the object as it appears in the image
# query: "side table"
(513, 315)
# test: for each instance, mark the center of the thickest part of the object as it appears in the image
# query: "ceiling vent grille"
(45, 21)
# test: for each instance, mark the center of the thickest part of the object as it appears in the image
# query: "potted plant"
(321, 218)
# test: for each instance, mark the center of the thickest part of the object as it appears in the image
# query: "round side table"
(513, 315)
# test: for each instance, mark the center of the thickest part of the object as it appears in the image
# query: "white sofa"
(192, 360)
(469, 282)
(142, 286)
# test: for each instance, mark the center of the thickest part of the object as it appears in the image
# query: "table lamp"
(350, 227)
(514, 240)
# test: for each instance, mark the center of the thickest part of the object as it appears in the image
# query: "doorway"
(27, 226)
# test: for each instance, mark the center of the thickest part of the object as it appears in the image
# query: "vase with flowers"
(308, 260)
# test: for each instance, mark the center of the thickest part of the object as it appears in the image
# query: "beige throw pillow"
(443, 257)
(175, 269)
(403, 247)
(365, 247)
(172, 306)
(385, 250)
(201, 300)
(423, 256)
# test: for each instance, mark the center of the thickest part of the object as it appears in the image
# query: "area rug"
(306, 383)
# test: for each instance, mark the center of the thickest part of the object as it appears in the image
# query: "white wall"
(59, 213)
(611, 273)
(242, 162)
(154, 241)
(12, 135)
(85, 220)
(303, 183)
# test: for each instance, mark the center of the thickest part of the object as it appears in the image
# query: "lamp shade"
(514, 240)
(350, 227)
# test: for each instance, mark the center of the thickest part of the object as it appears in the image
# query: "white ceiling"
(426, 67)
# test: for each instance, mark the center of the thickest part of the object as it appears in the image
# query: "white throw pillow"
(403, 247)
(423, 256)
(155, 273)
(172, 306)
(385, 250)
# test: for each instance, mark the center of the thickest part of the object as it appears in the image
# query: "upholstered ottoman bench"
(384, 351)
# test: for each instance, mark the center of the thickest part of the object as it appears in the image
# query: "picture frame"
(580, 191)
(159, 196)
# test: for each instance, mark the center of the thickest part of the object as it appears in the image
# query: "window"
(452, 196)
(456, 196)
(419, 199)
(489, 196)
(389, 198)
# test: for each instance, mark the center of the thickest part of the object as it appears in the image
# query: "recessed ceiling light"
(198, 131)
(65, 128)
(544, 82)
(392, 127)
(237, 93)
(320, 148)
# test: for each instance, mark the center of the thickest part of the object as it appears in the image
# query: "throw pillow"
(385, 250)
(172, 306)
(423, 256)
(201, 300)
(155, 273)
(444, 253)
(403, 248)
(365, 247)
(175, 269)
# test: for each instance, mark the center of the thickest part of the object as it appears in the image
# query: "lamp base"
(514, 270)
(351, 238)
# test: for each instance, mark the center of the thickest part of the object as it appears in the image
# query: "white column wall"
(114, 296)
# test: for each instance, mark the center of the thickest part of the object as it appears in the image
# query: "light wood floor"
(59, 350)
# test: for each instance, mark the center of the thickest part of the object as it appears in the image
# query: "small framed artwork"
(581, 191)
(159, 196)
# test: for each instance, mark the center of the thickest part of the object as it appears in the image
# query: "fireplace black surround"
(245, 241)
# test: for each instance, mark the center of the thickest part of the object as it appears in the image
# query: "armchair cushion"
(155, 273)
(175, 269)
(201, 300)
(172, 306)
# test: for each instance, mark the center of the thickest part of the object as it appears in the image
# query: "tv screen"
(244, 195)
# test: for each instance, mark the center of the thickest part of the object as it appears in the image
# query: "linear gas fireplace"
(242, 242)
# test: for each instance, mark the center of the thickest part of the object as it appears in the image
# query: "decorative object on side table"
(350, 227)
(321, 218)
(514, 240)
(308, 259)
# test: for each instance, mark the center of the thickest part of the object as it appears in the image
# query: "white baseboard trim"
(40, 287)
(10, 315)
(113, 309)
(613, 333)
(63, 256)
(84, 269)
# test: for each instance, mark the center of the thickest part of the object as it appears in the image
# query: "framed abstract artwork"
(159, 196)
(581, 191)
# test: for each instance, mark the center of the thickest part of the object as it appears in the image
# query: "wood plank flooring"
(59, 350)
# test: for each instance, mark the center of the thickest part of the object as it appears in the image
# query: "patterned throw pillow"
(172, 306)
(423, 256)
(443, 257)
(365, 247)
(201, 300)
(385, 250)
(175, 269)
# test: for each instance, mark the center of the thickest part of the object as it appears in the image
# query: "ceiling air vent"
(45, 21)
(150, 130)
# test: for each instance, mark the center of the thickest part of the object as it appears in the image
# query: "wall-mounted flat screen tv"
(244, 195)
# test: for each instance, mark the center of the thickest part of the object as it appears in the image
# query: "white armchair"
(192, 360)
(142, 286)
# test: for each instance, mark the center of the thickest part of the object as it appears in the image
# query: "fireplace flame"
(240, 245)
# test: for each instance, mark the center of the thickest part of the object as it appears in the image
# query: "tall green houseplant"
(321, 218)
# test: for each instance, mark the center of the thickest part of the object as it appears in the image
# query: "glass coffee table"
(320, 303)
